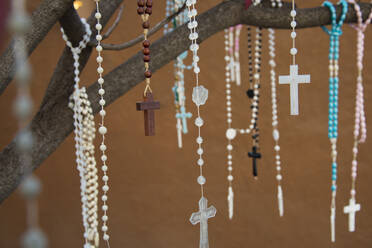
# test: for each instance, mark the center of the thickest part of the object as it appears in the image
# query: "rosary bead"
(104, 228)
(148, 11)
(148, 74)
(104, 218)
(146, 43)
(146, 25)
(146, 51)
(201, 180)
(149, 3)
(106, 237)
(98, 15)
(146, 58)
(102, 130)
(141, 3)
(140, 10)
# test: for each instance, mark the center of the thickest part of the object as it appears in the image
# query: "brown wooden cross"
(148, 106)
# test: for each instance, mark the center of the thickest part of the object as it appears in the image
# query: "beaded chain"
(250, 61)
(276, 135)
(360, 127)
(102, 128)
(84, 130)
(334, 35)
(255, 102)
(145, 10)
(199, 97)
(179, 67)
(238, 29)
(294, 79)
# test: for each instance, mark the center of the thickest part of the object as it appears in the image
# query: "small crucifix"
(254, 155)
(148, 106)
(202, 217)
(293, 80)
(351, 209)
(184, 116)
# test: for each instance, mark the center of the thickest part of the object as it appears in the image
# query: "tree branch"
(115, 24)
(43, 19)
(54, 122)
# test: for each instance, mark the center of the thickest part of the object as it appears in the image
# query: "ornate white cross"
(293, 80)
(202, 217)
(351, 209)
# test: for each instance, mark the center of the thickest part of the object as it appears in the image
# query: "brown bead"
(148, 74)
(140, 10)
(149, 3)
(146, 51)
(148, 10)
(141, 3)
(146, 25)
(146, 58)
(146, 43)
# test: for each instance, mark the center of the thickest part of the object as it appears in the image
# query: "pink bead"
(354, 175)
(354, 169)
(352, 192)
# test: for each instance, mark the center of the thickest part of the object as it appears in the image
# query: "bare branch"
(43, 19)
(115, 24)
(54, 122)
(140, 38)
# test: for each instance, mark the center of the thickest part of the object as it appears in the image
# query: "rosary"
(334, 35)
(294, 79)
(148, 105)
(360, 128)
(199, 97)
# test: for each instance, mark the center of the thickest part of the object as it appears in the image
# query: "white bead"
(104, 228)
(104, 197)
(293, 34)
(277, 148)
(100, 70)
(99, 59)
(229, 168)
(103, 157)
(230, 133)
(293, 51)
(105, 188)
(102, 147)
(230, 178)
(200, 151)
(102, 102)
(99, 48)
(106, 237)
(276, 134)
(101, 91)
(102, 130)
(279, 177)
(104, 168)
(101, 81)
(200, 162)
(199, 122)
(98, 37)
(293, 13)
(98, 26)
(98, 15)
(278, 168)
(199, 140)
(104, 218)
(293, 24)
(201, 180)
(229, 147)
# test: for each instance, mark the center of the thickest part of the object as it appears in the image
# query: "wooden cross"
(184, 116)
(148, 106)
(351, 209)
(254, 155)
(293, 80)
(202, 217)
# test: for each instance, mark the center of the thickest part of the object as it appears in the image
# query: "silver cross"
(202, 217)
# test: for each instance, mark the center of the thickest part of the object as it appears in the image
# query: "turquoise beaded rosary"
(334, 35)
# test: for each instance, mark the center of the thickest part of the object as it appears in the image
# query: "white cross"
(351, 209)
(179, 132)
(230, 201)
(293, 80)
(202, 217)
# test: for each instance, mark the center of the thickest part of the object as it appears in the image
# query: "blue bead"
(334, 177)
(333, 188)
(334, 166)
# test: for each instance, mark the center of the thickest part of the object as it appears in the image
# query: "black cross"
(254, 155)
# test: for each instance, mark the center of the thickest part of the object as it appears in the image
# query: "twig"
(157, 27)
(115, 24)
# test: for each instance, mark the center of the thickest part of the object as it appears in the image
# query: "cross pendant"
(293, 80)
(202, 217)
(148, 106)
(351, 209)
(254, 155)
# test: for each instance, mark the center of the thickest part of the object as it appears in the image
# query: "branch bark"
(53, 123)
(43, 19)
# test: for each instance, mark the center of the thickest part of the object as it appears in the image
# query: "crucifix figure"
(254, 155)
(293, 80)
(184, 116)
(148, 106)
(351, 209)
(202, 217)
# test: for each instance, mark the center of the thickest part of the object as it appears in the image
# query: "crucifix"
(148, 106)
(293, 80)
(184, 116)
(351, 209)
(202, 217)
(254, 155)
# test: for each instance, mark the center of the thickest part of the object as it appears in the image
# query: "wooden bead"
(149, 3)
(146, 51)
(146, 58)
(148, 10)
(141, 3)
(146, 24)
(146, 43)
(140, 10)
(148, 74)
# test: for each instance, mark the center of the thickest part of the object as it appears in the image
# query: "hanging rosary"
(294, 79)
(148, 105)
(360, 127)
(84, 130)
(334, 35)
(199, 97)
(275, 123)
(179, 67)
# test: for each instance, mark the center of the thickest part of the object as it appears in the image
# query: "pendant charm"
(202, 217)
(351, 210)
(280, 201)
(148, 106)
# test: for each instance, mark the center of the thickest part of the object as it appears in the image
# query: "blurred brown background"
(153, 188)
